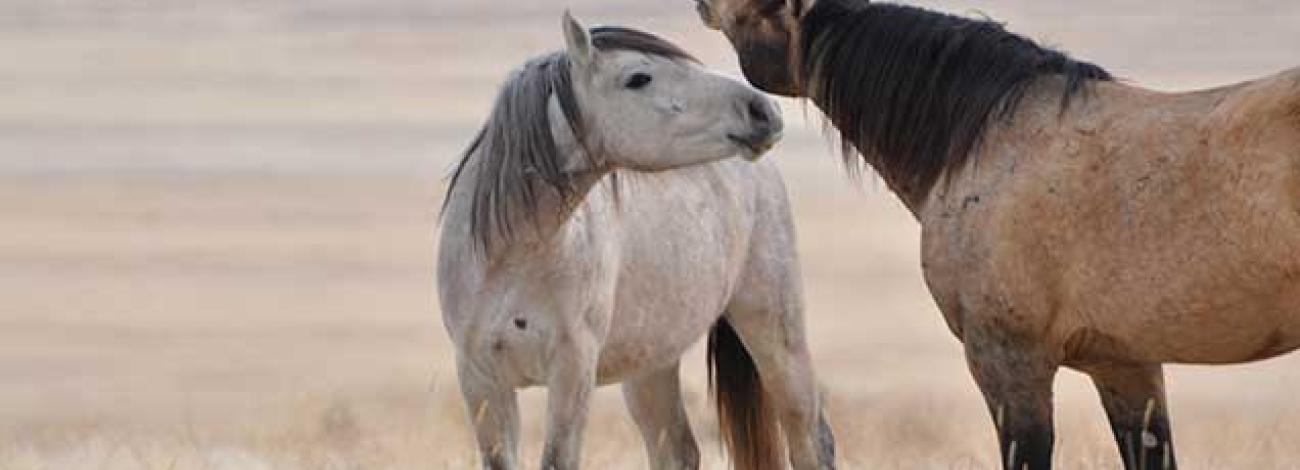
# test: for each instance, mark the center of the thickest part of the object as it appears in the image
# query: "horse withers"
(598, 226)
(1067, 219)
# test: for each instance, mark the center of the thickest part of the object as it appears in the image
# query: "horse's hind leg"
(495, 417)
(1134, 398)
(1016, 380)
(775, 340)
(766, 313)
(655, 402)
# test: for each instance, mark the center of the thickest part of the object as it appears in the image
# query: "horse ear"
(582, 53)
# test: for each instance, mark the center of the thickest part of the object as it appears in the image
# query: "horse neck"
(553, 210)
(912, 200)
(1038, 115)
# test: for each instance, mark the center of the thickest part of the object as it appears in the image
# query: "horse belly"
(647, 340)
(1249, 327)
(1241, 336)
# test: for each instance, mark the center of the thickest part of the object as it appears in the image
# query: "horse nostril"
(759, 113)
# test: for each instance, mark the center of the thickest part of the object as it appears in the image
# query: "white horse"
(598, 226)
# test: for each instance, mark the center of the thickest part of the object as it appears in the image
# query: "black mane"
(516, 154)
(914, 90)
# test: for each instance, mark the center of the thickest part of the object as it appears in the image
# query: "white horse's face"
(649, 112)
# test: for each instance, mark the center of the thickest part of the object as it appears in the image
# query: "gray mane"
(516, 154)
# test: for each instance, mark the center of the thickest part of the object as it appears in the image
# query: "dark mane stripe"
(514, 151)
(912, 91)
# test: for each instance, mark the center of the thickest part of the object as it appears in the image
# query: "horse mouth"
(756, 144)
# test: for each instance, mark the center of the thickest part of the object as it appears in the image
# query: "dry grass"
(216, 239)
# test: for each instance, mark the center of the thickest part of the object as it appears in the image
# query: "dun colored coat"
(1067, 219)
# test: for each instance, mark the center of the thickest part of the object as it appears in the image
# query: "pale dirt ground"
(217, 225)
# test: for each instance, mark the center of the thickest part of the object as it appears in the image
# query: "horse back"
(1261, 112)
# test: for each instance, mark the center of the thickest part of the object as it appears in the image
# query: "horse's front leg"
(655, 402)
(494, 414)
(1016, 380)
(572, 367)
(1134, 398)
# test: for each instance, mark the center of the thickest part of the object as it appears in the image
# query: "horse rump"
(747, 422)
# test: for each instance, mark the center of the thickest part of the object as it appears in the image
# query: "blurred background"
(217, 225)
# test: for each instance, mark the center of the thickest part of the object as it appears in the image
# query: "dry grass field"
(217, 225)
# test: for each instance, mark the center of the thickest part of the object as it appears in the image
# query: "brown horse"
(1068, 220)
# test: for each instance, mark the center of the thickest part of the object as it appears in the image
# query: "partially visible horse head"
(765, 34)
(646, 104)
(614, 98)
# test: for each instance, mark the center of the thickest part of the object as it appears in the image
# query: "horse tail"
(747, 422)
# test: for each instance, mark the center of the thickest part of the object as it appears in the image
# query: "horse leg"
(763, 330)
(655, 402)
(568, 393)
(776, 343)
(495, 417)
(1016, 381)
(1134, 398)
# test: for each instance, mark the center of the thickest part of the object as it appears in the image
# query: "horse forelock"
(515, 151)
(912, 91)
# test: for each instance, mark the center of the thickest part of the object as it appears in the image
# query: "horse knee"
(1017, 387)
(656, 405)
(493, 412)
(571, 382)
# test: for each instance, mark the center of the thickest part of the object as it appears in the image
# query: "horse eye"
(638, 81)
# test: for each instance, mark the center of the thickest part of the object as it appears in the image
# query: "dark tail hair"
(748, 425)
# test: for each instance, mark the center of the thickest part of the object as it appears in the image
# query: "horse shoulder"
(1002, 239)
